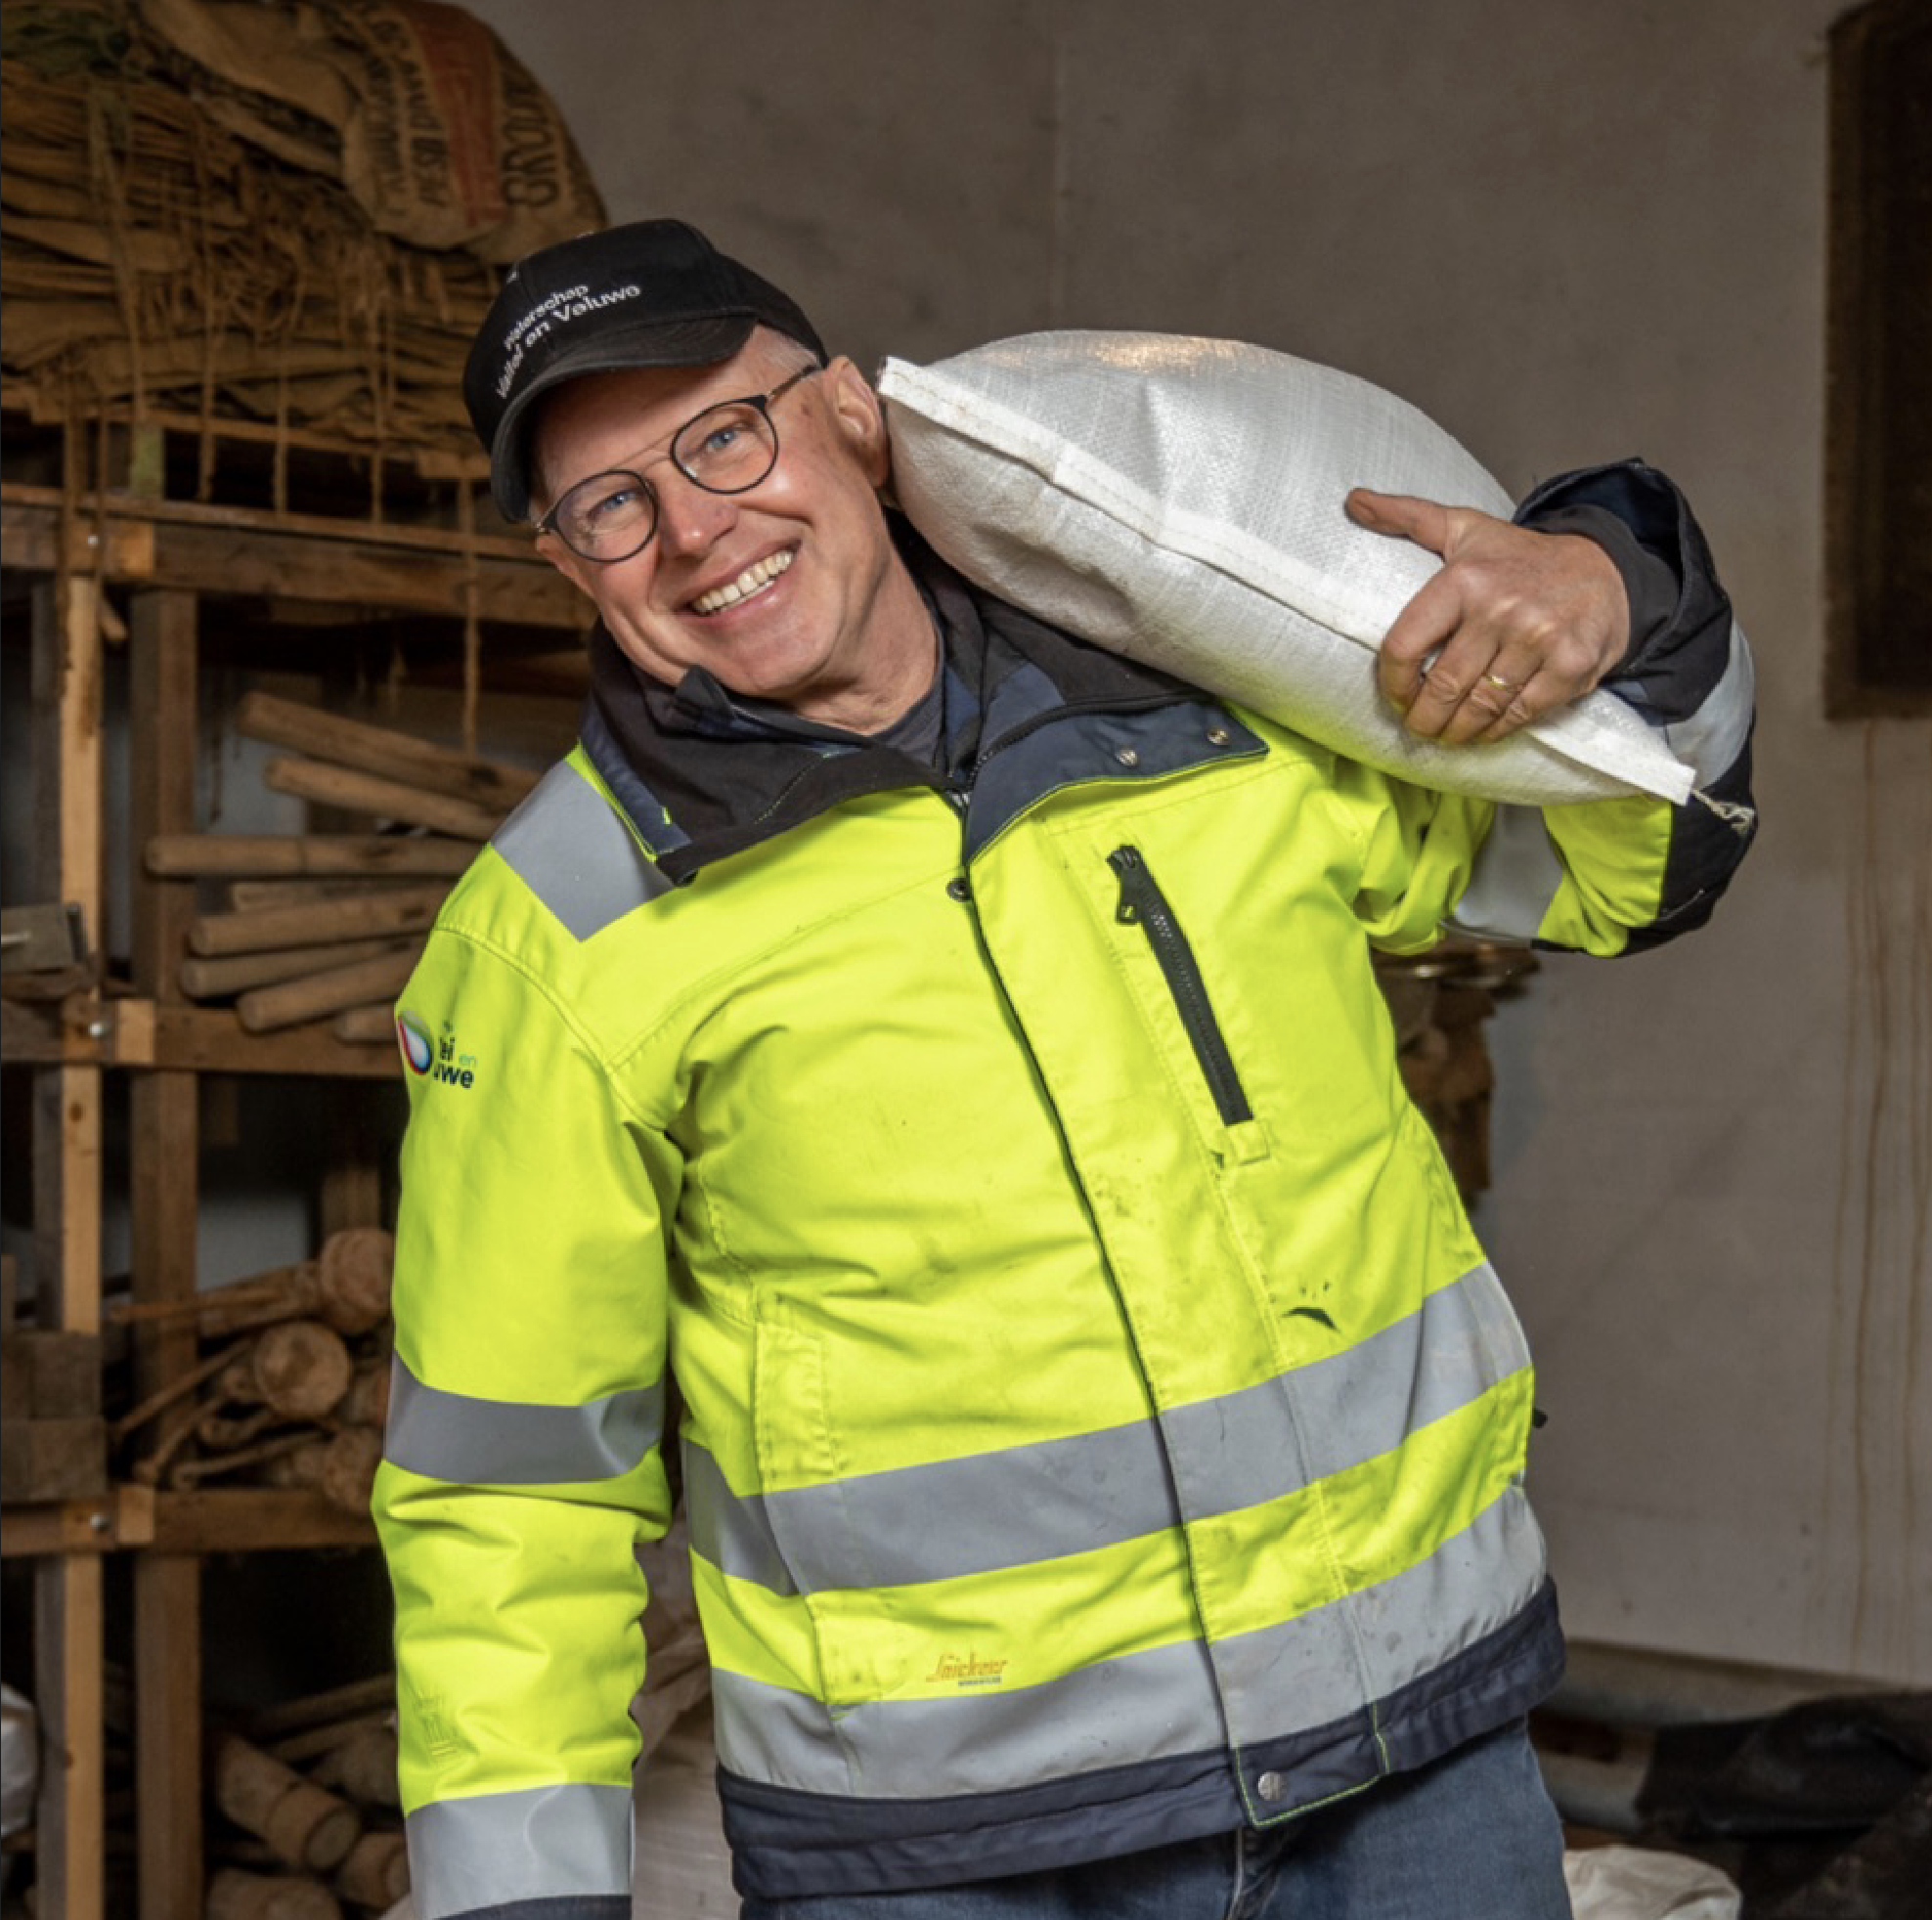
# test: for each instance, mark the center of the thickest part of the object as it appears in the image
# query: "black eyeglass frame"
(762, 402)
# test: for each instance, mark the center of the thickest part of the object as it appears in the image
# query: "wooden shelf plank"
(123, 1517)
(133, 1518)
(237, 550)
(136, 1033)
(43, 407)
(213, 1040)
(253, 1520)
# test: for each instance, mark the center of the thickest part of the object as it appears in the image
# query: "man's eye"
(615, 500)
(721, 440)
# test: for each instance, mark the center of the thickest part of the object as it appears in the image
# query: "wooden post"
(69, 1821)
(164, 1165)
(70, 1817)
(167, 1709)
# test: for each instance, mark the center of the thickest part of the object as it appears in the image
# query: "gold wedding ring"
(1499, 684)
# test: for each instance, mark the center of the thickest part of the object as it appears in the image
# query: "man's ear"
(860, 416)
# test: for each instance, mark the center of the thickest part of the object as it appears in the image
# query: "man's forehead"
(621, 411)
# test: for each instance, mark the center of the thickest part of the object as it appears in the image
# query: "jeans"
(1472, 1837)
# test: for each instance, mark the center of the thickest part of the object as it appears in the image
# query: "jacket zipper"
(1143, 905)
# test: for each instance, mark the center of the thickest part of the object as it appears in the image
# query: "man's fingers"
(1406, 516)
(1497, 704)
(1454, 702)
(1514, 624)
(1417, 634)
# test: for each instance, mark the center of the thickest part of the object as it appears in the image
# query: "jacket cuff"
(1679, 652)
(1650, 582)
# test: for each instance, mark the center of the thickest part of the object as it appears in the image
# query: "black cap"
(656, 293)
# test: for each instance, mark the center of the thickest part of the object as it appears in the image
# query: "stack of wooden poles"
(293, 1384)
(329, 924)
(311, 1786)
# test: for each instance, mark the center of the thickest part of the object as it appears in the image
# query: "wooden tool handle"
(376, 1873)
(303, 1823)
(346, 1285)
(361, 1767)
(366, 1027)
(385, 799)
(382, 750)
(298, 1367)
(288, 1003)
(225, 856)
(353, 1273)
(403, 910)
(233, 1894)
(237, 973)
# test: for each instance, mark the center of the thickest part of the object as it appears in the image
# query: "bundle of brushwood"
(287, 211)
(306, 1822)
(293, 1383)
(1438, 1000)
(321, 925)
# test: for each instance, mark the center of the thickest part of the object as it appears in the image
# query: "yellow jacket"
(1099, 1423)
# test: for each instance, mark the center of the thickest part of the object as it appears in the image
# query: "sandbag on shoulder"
(1180, 500)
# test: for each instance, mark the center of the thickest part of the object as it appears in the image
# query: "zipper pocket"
(1142, 904)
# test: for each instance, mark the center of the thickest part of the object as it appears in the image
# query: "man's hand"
(1517, 621)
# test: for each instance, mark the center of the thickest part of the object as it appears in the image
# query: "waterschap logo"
(434, 1056)
(558, 310)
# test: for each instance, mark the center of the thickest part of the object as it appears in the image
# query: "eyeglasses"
(727, 449)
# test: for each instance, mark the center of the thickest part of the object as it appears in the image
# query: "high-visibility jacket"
(1099, 1423)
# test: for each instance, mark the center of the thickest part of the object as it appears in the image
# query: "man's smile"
(755, 579)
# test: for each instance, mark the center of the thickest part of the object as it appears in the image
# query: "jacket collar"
(703, 774)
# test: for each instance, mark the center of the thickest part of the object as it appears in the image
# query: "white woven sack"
(1179, 500)
(1642, 1883)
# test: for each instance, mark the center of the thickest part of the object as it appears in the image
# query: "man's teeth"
(762, 574)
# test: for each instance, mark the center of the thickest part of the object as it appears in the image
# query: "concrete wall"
(1571, 232)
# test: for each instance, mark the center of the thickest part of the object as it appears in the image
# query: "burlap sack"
(1180, 500)
(423, 113)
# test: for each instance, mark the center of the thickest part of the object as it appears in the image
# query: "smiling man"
(779, 580)
(952, 1054)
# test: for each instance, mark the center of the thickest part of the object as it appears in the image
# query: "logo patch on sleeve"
(431, 1056)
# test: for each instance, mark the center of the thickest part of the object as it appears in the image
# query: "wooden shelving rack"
(82, 549)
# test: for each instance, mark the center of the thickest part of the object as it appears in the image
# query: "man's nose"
(690, 517)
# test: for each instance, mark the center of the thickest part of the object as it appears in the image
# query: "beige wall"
(1571, 232)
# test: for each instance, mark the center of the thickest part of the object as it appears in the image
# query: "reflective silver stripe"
(1023, 1505)
(1329, 1661)
(496, 1847)
(1279, 1682)
(1001, 1509)
(566, 844)
(1513, 880)
(1141, 1706)
(735, 1534)
(1353, 1407)
(1713, 737)
(455, 1437)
